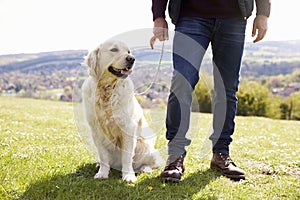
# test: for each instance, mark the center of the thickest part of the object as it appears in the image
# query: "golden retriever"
(115, 119)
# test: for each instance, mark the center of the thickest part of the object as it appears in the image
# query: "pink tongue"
(126, 72)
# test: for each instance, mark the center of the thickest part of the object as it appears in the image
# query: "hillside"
(261, 59)
(265, 54)
(41, 61)
(271, 58)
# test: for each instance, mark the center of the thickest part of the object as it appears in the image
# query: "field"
(42, 156)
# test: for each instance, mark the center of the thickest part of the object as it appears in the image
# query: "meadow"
(42, 156)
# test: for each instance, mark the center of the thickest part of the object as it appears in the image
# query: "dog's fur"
(114, 117)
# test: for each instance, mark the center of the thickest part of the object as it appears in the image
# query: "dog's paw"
(129, 178)
(100, 175)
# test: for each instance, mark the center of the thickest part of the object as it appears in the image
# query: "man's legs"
(227, 47)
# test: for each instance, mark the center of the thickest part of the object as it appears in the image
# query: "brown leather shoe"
(173, 170)
(224, 164)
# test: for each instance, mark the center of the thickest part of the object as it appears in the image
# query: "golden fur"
(115, 119)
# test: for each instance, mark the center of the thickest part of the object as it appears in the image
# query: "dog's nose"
(130, 59)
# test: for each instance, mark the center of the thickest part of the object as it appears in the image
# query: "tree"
(294, 101)
(252, 99)
(284, 111)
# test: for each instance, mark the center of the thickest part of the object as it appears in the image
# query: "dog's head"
(112, 56)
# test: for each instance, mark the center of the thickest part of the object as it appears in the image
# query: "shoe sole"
(230, 176)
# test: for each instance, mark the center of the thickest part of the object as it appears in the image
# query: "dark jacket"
(263, 7)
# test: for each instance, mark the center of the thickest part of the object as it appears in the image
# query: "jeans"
(191, 40)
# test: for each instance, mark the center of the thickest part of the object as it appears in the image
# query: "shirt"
(210, 8)
(200, 8)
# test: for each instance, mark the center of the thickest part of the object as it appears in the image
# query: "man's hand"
(160, 30)
(260, 27)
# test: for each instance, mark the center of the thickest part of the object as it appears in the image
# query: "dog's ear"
(92, 60)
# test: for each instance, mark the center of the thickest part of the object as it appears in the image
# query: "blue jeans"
(192, 38)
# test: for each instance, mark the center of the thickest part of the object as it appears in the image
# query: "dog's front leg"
(104, 168)
(103, 158)
(128, 174)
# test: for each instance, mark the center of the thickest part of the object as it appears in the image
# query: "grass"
(43, 157)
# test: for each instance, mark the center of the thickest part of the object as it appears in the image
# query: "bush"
(252, 99)
(295, 106)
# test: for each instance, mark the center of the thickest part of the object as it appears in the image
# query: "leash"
(152, 40)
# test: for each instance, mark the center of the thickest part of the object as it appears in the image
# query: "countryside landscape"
(270, 78)
(44, 156)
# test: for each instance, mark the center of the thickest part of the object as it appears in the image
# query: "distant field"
(43, 157)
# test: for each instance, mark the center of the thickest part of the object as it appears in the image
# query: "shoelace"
(226, 159)
(177, 164)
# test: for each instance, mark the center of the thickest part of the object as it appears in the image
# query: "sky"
(30, 26)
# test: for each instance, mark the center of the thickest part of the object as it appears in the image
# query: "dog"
(115, 119)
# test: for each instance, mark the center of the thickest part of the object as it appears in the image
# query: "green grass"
(43, 157)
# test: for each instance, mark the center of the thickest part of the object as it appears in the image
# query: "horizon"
(66, 50)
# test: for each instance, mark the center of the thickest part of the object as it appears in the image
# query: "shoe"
(173, 171)
(224, 164)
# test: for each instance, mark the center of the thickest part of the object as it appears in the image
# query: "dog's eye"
(114, 50)
(129, 52)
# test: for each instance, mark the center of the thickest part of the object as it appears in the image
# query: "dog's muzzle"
(124, 72)
(130, 60)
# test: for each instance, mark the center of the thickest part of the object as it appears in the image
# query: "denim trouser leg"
(191, 40)
(227, 46)
(189, 47)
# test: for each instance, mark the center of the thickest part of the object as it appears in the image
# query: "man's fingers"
(159, 33)
(152, 41)
(261, 34)
(166, 34)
